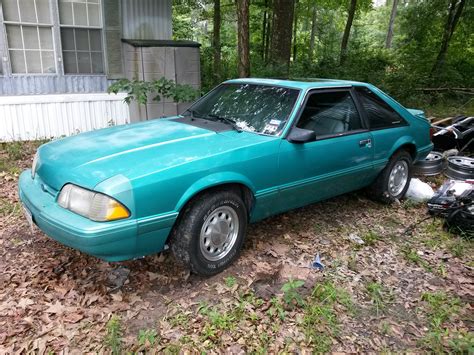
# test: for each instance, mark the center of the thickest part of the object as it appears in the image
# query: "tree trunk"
(243, 38)
(280, 51)
(313, 34)
(393, 14)
(264, 28)
(295, 31)
(269, 35)
(455, 11)
(347, 31)
(216, 41)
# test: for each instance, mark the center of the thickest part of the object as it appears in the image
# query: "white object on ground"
(419, 191)
(356, 239)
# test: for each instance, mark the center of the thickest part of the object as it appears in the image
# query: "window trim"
(404, 122)
(102, 42)
(311, 91)
(55, 25)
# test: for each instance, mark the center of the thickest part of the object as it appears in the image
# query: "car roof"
(298, 84)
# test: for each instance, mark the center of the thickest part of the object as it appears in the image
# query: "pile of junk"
(452, 156)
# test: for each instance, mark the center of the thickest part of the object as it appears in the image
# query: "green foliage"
(440, 309)
(320, 321)
(379, 296)
(400, 70)
(113, 338)
(230, 281)
(147, 336)
(291, 295)
(140, 90)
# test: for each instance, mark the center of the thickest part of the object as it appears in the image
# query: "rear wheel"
(392, 183)
(211, 232)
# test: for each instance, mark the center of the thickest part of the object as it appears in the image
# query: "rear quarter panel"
(387, 141)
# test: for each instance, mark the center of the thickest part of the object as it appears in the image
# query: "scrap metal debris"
(455, 202)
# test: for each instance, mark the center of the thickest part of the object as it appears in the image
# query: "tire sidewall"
(198, 262)
(402, 156)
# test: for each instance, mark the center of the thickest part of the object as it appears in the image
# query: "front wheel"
(393, 181)
(211, 232)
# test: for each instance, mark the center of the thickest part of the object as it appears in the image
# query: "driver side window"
(330, 113)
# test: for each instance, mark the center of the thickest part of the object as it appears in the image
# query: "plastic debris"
(317, 264)
(356, 239)
(419, 191)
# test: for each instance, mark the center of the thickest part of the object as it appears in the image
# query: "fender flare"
(404, 141)
(213, 180)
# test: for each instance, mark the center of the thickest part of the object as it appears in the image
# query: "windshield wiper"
(227, 120)
(192, 113)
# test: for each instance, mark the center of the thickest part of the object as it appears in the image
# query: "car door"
(337, 161)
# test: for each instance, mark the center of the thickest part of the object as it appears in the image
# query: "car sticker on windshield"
(275, 122)
(270, 128)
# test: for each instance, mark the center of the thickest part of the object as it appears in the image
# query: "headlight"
(33, 167)
(90, 204)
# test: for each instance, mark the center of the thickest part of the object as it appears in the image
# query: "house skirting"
(32, 117)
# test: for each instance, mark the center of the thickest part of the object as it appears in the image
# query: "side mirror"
(300, 135)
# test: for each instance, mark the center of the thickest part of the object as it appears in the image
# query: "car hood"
(135, 149)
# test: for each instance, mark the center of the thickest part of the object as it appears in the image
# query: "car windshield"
(248, 107)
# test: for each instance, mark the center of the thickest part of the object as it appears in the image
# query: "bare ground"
(399, 291)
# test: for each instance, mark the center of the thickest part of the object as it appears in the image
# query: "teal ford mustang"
(249, 149)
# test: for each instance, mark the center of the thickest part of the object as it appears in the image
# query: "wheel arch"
(217, 182)
(407, 144)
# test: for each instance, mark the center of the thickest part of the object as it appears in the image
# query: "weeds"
(412, 256)
(379, 296)
(230, 281)
(113, 339)
(147, 336)
(441, 308)
(370, 238)
(320, 320)
(291, 295)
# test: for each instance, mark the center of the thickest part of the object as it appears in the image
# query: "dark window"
(379, 113)
(328, 113)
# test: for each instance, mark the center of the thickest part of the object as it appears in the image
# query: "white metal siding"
(50, 116)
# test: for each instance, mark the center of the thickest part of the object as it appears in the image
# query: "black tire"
(185, 240)
(379, 189)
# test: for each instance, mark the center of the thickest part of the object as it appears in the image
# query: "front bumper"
(111, 241)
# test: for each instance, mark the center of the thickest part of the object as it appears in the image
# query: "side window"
(379, 113)
(328, 113)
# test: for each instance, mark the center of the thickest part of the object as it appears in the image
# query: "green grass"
(441, 308)
(7, 208)
(412, 255)
(147, 337)
(291, 295)
(379, 296)
(370, 238)
(320, 321)
(230, 281)
(113, 338)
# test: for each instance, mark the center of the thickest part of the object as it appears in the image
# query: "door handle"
(365, 143)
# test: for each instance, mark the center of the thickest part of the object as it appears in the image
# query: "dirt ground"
(382, 289)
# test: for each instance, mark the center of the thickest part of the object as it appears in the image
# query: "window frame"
(6, 67)
(21, 24)
(312, 91)
(102, 41)
(403, 123)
